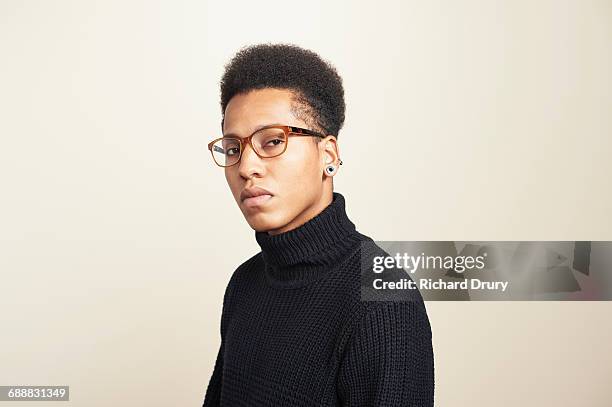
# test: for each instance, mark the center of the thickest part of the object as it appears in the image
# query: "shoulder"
(396, 316)
(246, 270)
(390, 311)
(387, 325)
(250, 265)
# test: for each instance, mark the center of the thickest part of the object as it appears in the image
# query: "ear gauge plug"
(330, 169)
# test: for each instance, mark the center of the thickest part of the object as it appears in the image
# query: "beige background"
(113, 262)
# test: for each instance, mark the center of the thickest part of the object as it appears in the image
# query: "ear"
(330, 152)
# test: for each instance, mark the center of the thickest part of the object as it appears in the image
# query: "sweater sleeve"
(388, 360)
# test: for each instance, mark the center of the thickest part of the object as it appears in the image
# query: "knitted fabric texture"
(295, 332)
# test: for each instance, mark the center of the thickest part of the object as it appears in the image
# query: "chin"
(263, 222)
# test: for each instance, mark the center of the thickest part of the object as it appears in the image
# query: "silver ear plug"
(331, 168)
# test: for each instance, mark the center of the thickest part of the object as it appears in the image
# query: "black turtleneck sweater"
(295, 331)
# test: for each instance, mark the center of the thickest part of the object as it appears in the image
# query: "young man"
(294, 330)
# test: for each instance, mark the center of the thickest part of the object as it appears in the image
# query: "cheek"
(233, 180)
(298, 169)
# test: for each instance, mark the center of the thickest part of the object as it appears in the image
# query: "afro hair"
(315, 83)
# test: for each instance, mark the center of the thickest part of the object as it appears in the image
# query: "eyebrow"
(256, 129)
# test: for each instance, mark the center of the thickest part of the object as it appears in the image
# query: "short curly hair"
(314, 82)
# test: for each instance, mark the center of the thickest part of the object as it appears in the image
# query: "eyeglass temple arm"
(301, 132)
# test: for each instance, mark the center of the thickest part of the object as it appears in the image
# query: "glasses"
(267, 142)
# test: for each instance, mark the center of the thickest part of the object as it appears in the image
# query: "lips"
(254, 196)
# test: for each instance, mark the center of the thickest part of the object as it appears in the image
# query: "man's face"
(295, 178)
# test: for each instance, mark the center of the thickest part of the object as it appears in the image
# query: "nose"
(250, 163)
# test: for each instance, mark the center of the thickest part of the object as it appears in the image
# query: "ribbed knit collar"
(309, 251)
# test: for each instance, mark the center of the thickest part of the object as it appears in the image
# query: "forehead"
(246, 112)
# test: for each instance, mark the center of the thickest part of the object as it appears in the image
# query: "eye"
(274, 142)
(232, 151)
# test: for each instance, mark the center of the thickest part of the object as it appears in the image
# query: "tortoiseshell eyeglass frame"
(289, 131)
